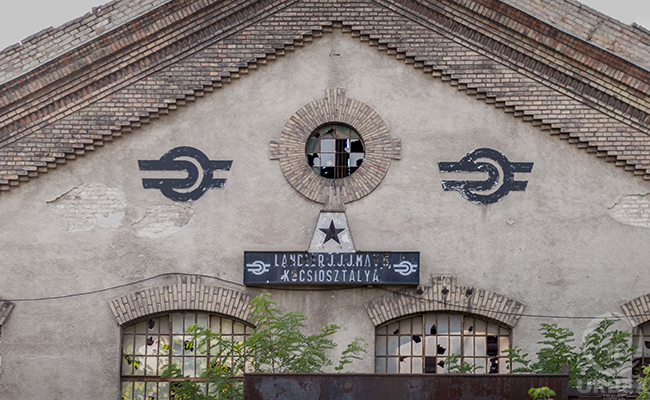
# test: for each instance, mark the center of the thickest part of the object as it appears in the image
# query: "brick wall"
(189, 293)
(178, 52)
(632, 210)
(445, 295)
(50, 43)
(631, 42)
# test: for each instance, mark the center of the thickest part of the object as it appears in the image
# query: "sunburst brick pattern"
(444, 294)
(380, 149)
(187, 294)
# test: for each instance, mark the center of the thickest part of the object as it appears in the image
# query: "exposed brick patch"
(91, 204)
(187, 294)
(5, 309)
(183, 50)
(445, 295)
(638, 309)
(632, 210)
(163, 220)
(380, 149)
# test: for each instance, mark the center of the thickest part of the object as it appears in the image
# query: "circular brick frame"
(380, 149)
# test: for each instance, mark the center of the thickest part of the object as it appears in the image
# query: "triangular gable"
(183, 49)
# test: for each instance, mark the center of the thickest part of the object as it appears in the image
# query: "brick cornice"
(187, 294)
(445, 295)
(576, 68)
(111, 62)
(183, 71)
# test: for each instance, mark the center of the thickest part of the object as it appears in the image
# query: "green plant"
(598, 362)
(455, 366)
(543, 393)
(644, 382)
(277, 345)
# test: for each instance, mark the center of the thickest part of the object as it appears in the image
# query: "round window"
(334, 151)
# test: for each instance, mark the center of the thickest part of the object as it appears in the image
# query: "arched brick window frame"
(187, 294)
(415, 327)
(637, 311)
(154, 322)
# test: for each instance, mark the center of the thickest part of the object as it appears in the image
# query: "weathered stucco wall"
(90, 225)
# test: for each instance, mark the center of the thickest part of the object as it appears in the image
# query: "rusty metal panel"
(399, 386)
(594, 394)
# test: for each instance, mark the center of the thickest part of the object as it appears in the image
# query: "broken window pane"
(426, 340)
(334, 151)
(430, 326)
(492, 343)
(468, 326)
(430, 366)
(149, 345)
(405, 365)
(443, 345)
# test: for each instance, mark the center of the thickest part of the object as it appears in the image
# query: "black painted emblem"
(332, 233)
(170, 162)
(469, 189)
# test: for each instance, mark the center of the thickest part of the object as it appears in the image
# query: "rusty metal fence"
(401, 386)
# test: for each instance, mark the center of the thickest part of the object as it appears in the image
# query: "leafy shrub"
(598, 362)
(277, 345)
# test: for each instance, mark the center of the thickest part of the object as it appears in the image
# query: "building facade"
(435, 177)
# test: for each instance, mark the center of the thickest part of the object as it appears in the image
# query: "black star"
(332, 233)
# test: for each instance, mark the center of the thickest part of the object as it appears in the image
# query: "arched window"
(148, 345)
(420, 344)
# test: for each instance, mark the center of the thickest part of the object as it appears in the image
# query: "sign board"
(304, 268)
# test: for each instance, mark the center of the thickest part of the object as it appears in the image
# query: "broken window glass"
(334, 151)
(149, 345)
(422, 343)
